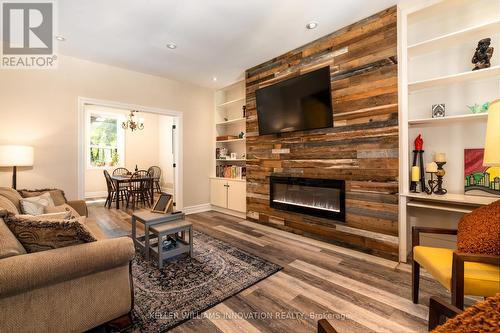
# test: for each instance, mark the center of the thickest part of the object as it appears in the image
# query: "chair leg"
(415, 280)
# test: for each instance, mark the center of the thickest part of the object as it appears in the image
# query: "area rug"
(186, 286)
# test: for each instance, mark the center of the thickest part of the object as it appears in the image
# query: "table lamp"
(492, 143)
(15, 156)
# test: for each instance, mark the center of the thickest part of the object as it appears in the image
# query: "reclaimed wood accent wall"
(361, 148)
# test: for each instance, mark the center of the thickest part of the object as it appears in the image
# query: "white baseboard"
(99, 194)
(197, 208)
(229, 212)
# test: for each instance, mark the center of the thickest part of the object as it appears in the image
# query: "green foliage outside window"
(104, 141)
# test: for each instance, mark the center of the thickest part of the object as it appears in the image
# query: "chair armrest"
(80, 206)
(30, 271)
(439, 308)
(325, 327)
(416, 231)
(457, 273)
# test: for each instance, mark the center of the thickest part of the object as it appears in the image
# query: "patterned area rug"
(188, 286)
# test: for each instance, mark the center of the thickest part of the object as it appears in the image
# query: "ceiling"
(215, 38)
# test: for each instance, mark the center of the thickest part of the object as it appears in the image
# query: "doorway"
(104, 143)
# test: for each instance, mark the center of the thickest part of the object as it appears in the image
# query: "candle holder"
(432, 184)
(440, 174)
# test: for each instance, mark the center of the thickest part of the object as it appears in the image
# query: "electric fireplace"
(317, 197)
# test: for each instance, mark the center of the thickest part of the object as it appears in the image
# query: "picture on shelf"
(438, 110)
(479, 179)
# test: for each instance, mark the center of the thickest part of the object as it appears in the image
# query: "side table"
(148, 219)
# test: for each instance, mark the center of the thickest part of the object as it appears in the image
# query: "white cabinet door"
(218, 192)
(237, 196)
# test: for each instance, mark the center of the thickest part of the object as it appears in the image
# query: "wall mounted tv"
(297, 104)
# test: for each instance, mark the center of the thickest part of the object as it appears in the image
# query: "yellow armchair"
(460, 273)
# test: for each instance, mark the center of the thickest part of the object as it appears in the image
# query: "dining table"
(124, 179)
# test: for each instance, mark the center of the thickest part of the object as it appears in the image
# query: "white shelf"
(453, 38)
(458, 199)
(231, 140)
(459, 118)
(233, 179)
(443, 207)
(231, 160)
(238, 100)
(231, 122)
(454, 78)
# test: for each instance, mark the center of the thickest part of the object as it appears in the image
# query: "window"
(105, 141)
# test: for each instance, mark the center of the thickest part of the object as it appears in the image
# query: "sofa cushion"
(57, 195)
(40, 235)
(9, 245)
(12, 195)
(63, 208)
(7, 205)
(479, 231)
(36, 205)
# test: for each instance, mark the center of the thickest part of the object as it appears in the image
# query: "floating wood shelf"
(231, 160)
(454, 78)
(242, 99)
(458, 199)
(443, 120)
(232, 121)
(453, 38)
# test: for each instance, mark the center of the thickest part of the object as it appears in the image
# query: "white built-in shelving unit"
(436, 42)
(229, 194)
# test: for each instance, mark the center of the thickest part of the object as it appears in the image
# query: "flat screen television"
(297, 104)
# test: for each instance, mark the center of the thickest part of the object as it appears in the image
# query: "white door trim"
(82, 101)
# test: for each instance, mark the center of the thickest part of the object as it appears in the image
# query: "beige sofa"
(69, 289)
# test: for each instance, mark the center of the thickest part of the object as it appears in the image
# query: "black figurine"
(483, 54)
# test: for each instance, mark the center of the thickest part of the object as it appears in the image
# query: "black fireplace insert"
(318, 197)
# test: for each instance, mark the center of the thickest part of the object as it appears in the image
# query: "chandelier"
(133, 122)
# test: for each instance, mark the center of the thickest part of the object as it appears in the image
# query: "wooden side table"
(182, 245)
(149, 219)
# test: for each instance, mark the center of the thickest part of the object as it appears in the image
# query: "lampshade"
(492, 143)
(11, 155)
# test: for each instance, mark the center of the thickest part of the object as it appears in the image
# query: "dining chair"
(112, 192)
(156, 174)
(120, 172)
(139, 189)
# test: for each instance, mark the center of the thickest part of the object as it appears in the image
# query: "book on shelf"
(230, 171)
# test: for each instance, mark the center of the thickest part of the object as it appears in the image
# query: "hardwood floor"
(355, 291)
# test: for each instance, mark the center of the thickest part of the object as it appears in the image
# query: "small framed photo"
(163, 204)
(438, 110)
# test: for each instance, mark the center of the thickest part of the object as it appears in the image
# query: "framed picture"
(479, 179)
(163, 204)
(438, 110)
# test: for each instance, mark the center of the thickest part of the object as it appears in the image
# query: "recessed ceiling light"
(171, 46)
(60, 38)
(312, 25)
(214, 79)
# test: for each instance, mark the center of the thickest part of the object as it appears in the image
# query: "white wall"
(39, 108)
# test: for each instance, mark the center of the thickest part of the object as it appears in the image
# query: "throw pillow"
(63, 208)
(44, 235)
(49, 216)
(36, 205)
(479, 231)
(9, 245)
(12, 195)
(57, 195)
(6, 204)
